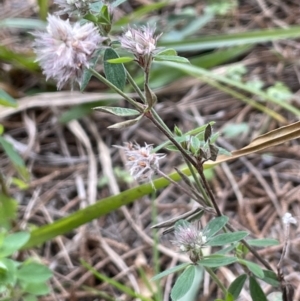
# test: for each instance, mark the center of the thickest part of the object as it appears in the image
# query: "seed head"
(188, 237)
(65, 50)
(140, 42)
(74, 7)
(141, 162)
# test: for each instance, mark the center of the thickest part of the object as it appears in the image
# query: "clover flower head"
(288, 219)
(141, 42)
(188, 237)
(65, 50)
(141, 161)
(74, 7)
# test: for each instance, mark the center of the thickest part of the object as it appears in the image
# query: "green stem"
(216, 280)
(136, 87)
(112, 86)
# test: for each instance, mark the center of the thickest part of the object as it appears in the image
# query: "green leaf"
(226, 250)
(263, 242)
(271, 278)
(229, 297)
(19, 183)
(226, 238)
(17, 59)
(256, 292)
(9, 277)
(121, 60)
(214, 261)
(170, 271)
(37, 289)
(8, 211)
(29, 298)
(195, 144)
(104, 16)
(33, 273)
(16, 160)
(253, 267)
(183, 283)
(13, 243)
(231, 130)
(86, 77)
(171, 58)
(169, 51)
(118, 111)
(214, 226)
(115, 73)
(223, 151)
(6, 100)
(236, 286)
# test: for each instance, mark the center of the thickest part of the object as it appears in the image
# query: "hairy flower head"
(141, 162)
(74, 7)
(188, 237)
(65, 50)
(141, 42)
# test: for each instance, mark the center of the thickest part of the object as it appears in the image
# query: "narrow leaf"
(253, 267)
(171, 58)
(236, 286)
(214, 261)
(264, 242)
(170, 271)
(115, 73)
(168, 51)
(214, 226)
(226, 238)
(15, 158)
(183, 283)
(256, 292)
(118, 111)
(86, 77)
(208, 132)
(271, 278)
(6, 100)
(121, 60)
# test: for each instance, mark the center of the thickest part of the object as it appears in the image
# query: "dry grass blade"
(272, 138)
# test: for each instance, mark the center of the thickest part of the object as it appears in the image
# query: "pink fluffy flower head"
(188, 237)
(141, 162)
(141, 42)
(65, 50)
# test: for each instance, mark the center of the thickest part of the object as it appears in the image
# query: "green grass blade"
(101, 208)
(116, 284)
(227, 40)
(202, 73)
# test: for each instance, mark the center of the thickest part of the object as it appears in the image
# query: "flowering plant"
(70, 53)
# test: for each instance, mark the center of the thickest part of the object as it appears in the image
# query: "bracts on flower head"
(141, 42)
(64, 50)
(141, 161)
